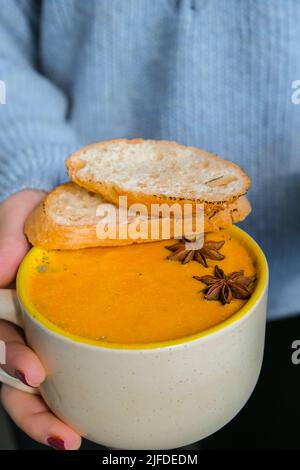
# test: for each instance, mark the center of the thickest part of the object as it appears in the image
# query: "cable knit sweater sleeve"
(35, 134)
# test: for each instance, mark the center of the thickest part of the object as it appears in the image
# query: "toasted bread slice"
(154, 172)
(67, 219)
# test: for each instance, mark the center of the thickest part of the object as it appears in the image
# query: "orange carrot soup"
(134, 294)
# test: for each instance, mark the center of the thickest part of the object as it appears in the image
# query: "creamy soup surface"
(131, 294)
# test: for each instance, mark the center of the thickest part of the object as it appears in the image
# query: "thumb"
(13, 243)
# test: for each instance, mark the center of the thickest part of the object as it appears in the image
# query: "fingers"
(12, 251)
(13, 243)
(32, 415)
(29, 412)
(21, 362)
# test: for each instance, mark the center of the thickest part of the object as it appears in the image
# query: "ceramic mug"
(152, 396)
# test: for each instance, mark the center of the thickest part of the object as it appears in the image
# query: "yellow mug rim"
(262, 269)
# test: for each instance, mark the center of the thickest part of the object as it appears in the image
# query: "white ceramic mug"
(153, 396)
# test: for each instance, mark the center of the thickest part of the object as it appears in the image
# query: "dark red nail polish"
(56, 443)
(21, 376)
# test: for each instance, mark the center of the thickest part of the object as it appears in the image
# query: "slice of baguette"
(149, 171)
(66, 219)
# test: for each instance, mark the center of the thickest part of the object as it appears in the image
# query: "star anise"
(185, 251)
(224, 287)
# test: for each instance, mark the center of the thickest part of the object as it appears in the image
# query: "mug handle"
(10, 311)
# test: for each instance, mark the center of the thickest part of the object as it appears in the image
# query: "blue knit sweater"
(211, 73)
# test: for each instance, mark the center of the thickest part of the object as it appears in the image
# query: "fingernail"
(56, 443)
(21, 376)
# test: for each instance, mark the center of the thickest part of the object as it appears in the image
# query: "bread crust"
(44, 232)
(112, 192)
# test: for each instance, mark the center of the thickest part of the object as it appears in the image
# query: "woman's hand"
(28, 411)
